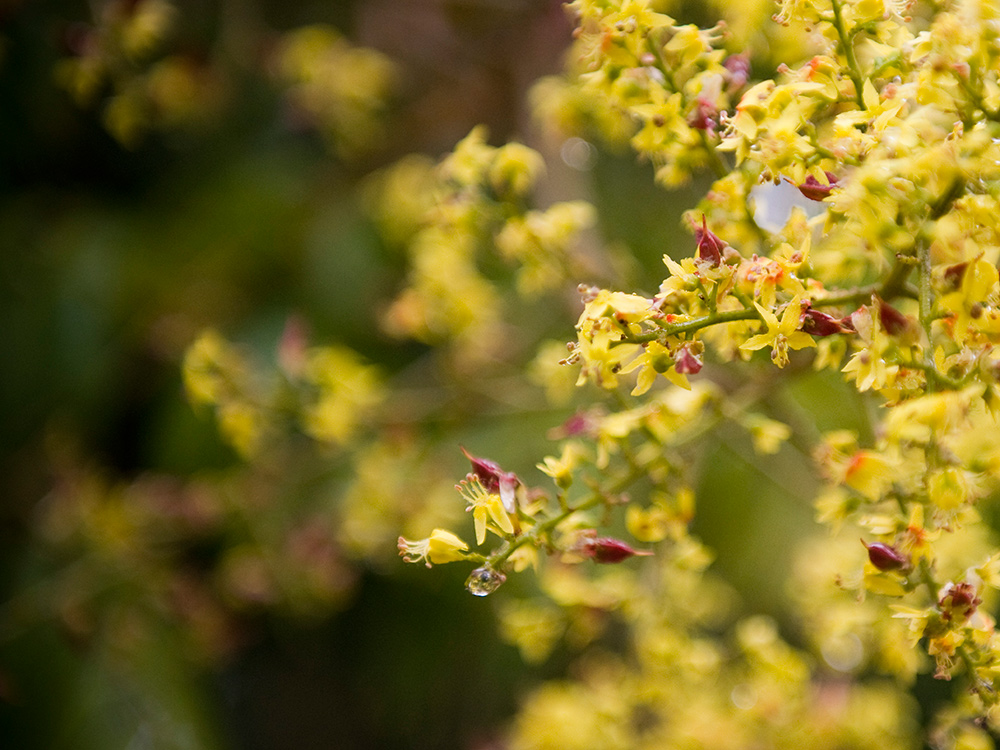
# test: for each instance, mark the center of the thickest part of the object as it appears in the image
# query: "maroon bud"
(606, 550)
(958, 601)
(815, 190)
(953, 275)
(884, 557)
(817, 323)
(705, 116)
(710, 247)
(893, 321)
(687, 363)
(494, 479)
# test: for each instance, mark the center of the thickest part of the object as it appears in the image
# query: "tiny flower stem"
(542, 529)
(847, 45)
(979, 685)
(894, 286)
(935, 375)
(828, 154)
(928, 580)
(697, 324)
(926, 305)
(714, 159)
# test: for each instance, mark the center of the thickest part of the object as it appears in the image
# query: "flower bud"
(958, 601)
(686, 362)
(817, 323)
(815, 190)
(495, 479)
(710, 246)
(885, 557)
(607, 550)
(705, 116)
(954, 274)
(292, 354)
(893, 321)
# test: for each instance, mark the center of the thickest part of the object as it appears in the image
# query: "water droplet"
(743, 696)
(844, 653)
(484, 581)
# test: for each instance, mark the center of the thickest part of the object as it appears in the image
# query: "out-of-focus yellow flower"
(440, 547)
(344, 89)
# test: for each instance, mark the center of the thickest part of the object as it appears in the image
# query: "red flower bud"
(607, 550)
(710, 247)
(494, 479)
(817, 323)
(884, 557)
(815, 190)
(687, 363)
(705, 116)
(953, 275)
(958, 601)
(893, 321)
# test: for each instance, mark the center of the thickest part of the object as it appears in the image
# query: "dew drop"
(578, 154)
(484, 581)
(844, 653)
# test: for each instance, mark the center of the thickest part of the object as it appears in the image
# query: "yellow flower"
(561, 469)
(781, 335)
(485, 506)
(440, 547)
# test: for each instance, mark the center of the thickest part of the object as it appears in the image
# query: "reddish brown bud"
(704, 116)
(953, 275)
(494, 479)
(884, 557)
(710, 247)
(607, 550)
(893, 321)
(687, 363)
(815, 190)
(958, 601)
(817, 323)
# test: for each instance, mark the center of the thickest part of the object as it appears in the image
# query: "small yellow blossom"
(486, 507)
(561, 469)
(781, 335)
(440, 547)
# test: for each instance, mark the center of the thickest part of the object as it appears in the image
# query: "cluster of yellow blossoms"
(446, 214)
(885, 267)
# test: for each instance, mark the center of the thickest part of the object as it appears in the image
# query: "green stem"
(852, 61)
(925, 301)
(894, 286)
(541, 530)
(694, 325)
(714, 159)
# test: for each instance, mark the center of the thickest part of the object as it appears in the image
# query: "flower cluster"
(339, 89)
(119, 64)
(885, 269)
(327, 391)
(445, 214)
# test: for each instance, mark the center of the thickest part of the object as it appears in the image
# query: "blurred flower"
(440, 547)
